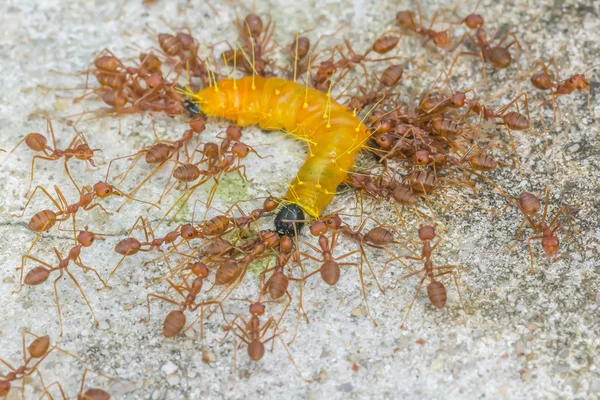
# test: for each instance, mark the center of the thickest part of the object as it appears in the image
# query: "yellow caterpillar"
(333, 134)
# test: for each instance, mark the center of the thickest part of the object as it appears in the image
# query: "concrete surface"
(529, 336)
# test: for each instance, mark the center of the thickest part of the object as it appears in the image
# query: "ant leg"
(33, 169)
(84, 296)
(364, 291)
(57, 301)
(546, 205)
(291, 357)
(31, 197)
(137, 156)
(531, 251)
(454, 277)
(462, 53)
(101, 208)
(156, 297)
(70, 176)
(412, 302)
(86, 268)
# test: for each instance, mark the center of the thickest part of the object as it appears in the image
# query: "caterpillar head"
(289, 216)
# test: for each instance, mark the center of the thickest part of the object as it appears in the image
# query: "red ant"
(39, 348)
(544, 81)
(406, 19)
(497, 55)
(530, 205)
(253, 333)
(78, 148)
(176, 319)
(41, 273)
(436, 291)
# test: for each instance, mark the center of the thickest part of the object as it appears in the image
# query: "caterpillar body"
(333, 133)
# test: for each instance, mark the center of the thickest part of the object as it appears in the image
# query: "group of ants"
(439, 146)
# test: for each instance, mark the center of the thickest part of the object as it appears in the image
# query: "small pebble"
(169, 368)
(173, 380)
(346, 387)
(323, 376)
(104, 325)
(208, 357)
(359, 312)
(520, 349)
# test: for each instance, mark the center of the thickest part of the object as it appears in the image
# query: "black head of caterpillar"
(287, 217)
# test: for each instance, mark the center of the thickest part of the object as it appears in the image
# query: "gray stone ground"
(529, 336)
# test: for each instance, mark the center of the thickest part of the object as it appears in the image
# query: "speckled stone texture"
(529, 335)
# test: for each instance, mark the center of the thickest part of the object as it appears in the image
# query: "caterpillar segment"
(333, 134)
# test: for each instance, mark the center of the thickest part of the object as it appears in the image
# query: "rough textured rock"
(442, 354)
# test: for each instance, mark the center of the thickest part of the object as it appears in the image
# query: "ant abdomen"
(330, 272)
(174, 323)
(436, 292)
(37, 276)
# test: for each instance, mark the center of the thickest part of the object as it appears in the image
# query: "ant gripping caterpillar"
(334, 135)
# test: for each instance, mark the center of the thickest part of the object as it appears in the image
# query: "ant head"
(86, 238)
(327, 69)
(318, 228)
(384, 141)
(357, 181)
(333, 221)
(253, 25)
(199, 269)
(474, 21)
(458, 99)
(240, 149)
(257, 308)
(270, 204)
(579, 82)
(441, 39)
(426, 232)
(234, 132)
(83, 152)
(155, 81)
(198, 124)
(189, 232)
(286, 244)
(406, 19)
(103, 190)
(422, 157)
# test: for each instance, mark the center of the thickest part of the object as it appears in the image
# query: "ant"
(512, 120)
(436, 291)
(406, 19)
(530, 206)
(558, 88)
(93, 393)
(41, 273)
(176, 319)
(89, 394)
(497, 55)
(253, 334)
(78, 148)
(39, 348)
(44, 220)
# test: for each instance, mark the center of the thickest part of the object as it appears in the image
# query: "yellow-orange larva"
(333, 134)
